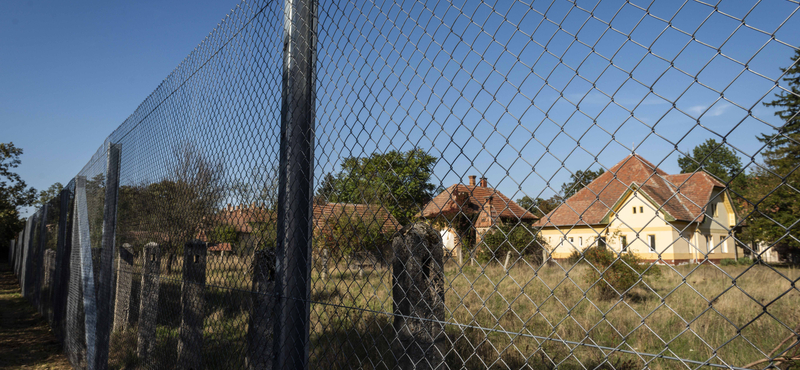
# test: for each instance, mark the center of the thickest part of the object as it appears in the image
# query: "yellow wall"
(674, 240)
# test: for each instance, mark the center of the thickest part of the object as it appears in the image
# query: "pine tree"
(775, 190)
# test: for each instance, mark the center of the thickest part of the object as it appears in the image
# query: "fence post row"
(190, 339)
(104, 303)
(418, 295)
(296, 184)
(148, 302)
(74, 332)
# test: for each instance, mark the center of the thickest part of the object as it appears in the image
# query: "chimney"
(483, 182)
(472, 180)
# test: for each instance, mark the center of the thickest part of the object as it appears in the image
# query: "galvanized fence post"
(104, 303)
(296, 184)
(190, 339)
(39, 259)
(82, 237)
(63, 246)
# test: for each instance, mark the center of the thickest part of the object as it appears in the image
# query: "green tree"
(539, 206)
(46, 195)
(774, 200)
(347, 233)
(14, 193)
(716, 159)
(578, 181)
(399, 181)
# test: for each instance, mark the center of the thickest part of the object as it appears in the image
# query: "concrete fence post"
(418, 294)
(260, 332)
(190, 340)
(148, 302)
(324, 262)
(122, 303)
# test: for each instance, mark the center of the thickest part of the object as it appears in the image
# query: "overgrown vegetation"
(518, 239)
(615, 274)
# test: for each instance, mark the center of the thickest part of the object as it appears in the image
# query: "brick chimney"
(472, 180)
(483, 182)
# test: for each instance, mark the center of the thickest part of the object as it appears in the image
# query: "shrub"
(520, 239)
(615, 273)
(728, 262)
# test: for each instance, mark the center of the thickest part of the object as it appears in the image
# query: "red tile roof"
(471, 201)
(370, 214)
(681, 196)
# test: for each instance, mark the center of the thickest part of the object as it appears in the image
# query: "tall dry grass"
(520, 318)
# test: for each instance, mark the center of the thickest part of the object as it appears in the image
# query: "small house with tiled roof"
(483, 206)
(638, 208)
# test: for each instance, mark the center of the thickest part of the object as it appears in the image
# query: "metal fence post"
(122, 303)
(81, 235)
(24, 276)
(104, 303)
(296, 184)
(262, 311)
(190, 339)
(63, 246)
(148, 302)
(418, 294)
(39, 259)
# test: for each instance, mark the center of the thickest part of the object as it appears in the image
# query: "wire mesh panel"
(409, 184)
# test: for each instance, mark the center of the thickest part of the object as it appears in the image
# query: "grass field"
(501, 320)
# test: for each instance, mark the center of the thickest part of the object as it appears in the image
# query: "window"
(601, 242)
(709, 241)
(723, 243)
(571, 240)
(652, 240)
(712, 209)
(623, 241)
(580, 241)
(641, 209)
(634, 210)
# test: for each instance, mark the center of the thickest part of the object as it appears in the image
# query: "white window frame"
(651, 241)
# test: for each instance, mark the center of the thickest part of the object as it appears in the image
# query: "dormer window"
(641, 209)
(634, 210)
(712, 209)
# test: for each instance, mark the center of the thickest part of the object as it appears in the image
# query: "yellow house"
(635, 207)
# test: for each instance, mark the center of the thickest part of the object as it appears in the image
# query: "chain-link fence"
(406, 184)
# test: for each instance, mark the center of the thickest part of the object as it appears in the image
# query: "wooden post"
(190, 340)
(418, 294)
(148, 302)
(508, 257)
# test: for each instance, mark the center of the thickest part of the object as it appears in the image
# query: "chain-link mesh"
(407, 184)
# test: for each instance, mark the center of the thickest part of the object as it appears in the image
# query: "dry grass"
(731, 315)
(691, 312)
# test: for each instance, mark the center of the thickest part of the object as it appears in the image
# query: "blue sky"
(74, 71)
(523, 93)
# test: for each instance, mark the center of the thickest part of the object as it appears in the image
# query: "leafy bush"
(519, 239)
(615, 273)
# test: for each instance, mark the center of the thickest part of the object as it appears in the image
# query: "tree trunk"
(170, 261)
